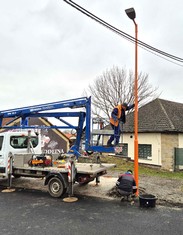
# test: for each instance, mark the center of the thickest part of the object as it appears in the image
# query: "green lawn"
(122, 165)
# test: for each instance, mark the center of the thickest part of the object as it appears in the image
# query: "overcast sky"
(49, 51)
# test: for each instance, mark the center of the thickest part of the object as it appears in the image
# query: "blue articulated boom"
(83, 127)
(72, 103)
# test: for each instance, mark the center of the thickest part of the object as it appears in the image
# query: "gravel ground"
(168, 191)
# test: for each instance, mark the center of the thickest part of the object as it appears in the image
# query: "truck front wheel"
(56, 187)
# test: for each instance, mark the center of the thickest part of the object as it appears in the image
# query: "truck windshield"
(1, 142)
(22, 141)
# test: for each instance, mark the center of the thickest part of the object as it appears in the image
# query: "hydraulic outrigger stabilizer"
(83, 128)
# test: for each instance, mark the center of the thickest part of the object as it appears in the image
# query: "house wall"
(169, 142)
(153, 139)
(180, 139)
(162, 147)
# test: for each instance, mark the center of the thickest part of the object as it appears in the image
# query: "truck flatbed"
(82, 168)
(92, 168)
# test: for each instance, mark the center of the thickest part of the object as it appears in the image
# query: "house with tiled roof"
(160, 132)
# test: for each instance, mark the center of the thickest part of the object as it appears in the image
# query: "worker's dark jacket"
(126, 183)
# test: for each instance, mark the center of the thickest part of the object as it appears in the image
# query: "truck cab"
(15, 143)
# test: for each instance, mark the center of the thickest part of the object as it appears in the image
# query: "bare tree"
(116, 86)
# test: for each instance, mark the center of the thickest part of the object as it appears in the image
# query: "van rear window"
(22, 141)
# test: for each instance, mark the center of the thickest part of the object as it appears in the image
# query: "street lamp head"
(131, 13)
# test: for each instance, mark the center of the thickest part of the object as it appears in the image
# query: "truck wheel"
(56, 187)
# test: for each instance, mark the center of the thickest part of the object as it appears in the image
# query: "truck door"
(2, 157)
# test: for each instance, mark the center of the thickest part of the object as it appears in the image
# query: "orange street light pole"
(131, 14)
(136, 109)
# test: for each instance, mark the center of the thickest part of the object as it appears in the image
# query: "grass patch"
(123, 165)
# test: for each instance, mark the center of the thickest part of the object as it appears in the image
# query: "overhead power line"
(162, 54)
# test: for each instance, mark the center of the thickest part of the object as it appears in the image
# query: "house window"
(125, 150)
(145, 151)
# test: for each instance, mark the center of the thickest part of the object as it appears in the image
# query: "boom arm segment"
(41, 111)
(73, 103)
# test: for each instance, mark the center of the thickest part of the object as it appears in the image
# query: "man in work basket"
(118, 116)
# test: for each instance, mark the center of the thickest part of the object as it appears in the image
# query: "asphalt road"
(35, 212)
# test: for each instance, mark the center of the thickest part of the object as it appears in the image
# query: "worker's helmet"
(129, 171)
(125, 105)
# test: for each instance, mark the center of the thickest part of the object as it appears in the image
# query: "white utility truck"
(17, 159)
(20, 151)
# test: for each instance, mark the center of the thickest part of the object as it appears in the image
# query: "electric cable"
(125, 35)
